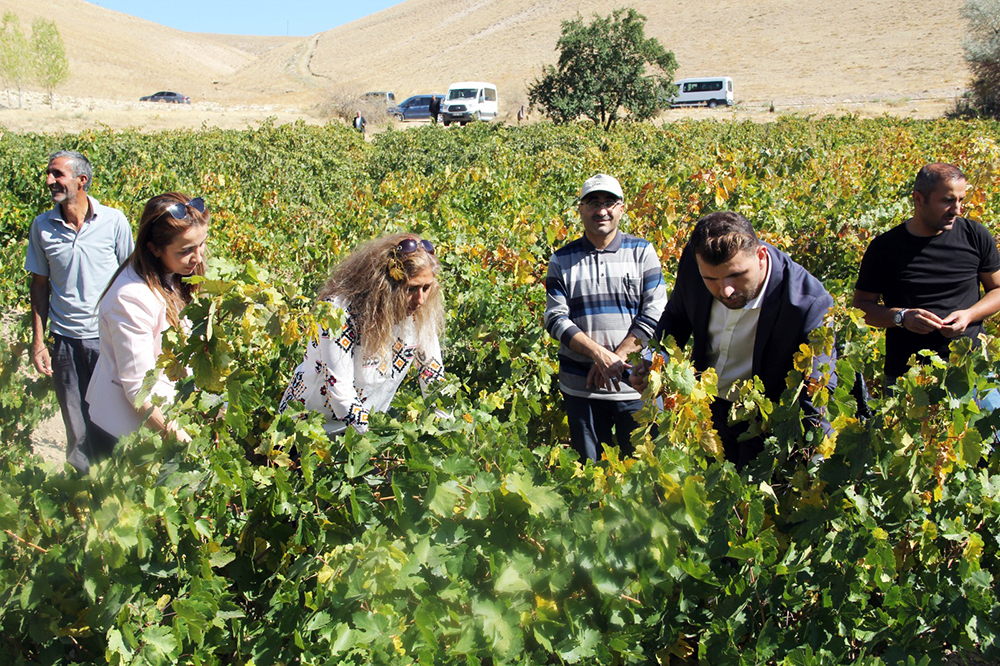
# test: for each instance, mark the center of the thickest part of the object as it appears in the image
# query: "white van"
(469, 100)
(711, 91)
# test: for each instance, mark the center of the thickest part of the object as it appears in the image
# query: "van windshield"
(462, 93)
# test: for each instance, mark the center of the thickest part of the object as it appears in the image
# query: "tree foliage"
(15, 56)
(982, 52)
(40, 59)
(49, 62)
(602, 71)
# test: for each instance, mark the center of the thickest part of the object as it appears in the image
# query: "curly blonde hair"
(372, 283)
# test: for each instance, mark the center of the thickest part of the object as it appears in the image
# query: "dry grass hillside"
(114, 55)
(868, 56)
(781, 50)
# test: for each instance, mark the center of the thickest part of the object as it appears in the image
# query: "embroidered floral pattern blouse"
(337, 381)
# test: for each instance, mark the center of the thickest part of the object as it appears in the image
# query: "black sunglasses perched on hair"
(178, 211)
(410, 245)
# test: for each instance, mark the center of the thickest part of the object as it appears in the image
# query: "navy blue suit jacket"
(794, 304)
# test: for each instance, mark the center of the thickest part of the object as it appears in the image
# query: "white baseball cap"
(602, 182)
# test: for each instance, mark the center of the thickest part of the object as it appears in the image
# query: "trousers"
(73, 363)
(595, 422)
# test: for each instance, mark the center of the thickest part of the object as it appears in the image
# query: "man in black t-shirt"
(927, 271)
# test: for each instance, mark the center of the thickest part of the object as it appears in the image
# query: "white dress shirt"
(731, 336)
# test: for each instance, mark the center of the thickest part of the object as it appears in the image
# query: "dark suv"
(417, 107)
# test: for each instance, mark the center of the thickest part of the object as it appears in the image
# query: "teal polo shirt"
(79, 264)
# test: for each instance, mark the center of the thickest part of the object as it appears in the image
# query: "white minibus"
(469, 100)
(711, 91)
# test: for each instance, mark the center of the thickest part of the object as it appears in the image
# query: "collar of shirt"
(613, 246)
(758, 302)
(91, 212)
(731, 339)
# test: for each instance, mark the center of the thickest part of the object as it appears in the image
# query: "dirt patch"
(49, 440)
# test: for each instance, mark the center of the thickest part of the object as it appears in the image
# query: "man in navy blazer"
(748, 308)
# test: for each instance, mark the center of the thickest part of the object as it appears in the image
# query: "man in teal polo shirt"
(73, 252)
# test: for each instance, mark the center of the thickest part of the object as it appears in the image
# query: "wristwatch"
(897, 318)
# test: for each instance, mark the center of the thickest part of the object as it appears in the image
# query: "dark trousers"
(595, 422)
(73, 363)
(100, 443)
(738, 453)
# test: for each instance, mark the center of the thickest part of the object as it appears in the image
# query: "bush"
(982, 52)
(342, 105)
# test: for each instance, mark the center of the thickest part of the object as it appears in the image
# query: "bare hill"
(774, 49)
(117, 56)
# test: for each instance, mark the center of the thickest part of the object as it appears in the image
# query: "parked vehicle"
(166, 96)
(417, 107)
(387, 97)
(710, 91)
(469, 100)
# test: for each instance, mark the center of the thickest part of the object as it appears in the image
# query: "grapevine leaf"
(161, 638)
(541, 500)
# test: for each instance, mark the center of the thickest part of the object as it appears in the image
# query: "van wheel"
(446, 122)
(463, 123)
(712, 103)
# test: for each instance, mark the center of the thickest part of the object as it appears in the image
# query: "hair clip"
(396, 271)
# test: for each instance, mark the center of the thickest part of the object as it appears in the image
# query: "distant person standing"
(73, 252)
(522, 114)
(359, 122)
(435, 109)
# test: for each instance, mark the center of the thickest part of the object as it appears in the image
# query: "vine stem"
(26, 543)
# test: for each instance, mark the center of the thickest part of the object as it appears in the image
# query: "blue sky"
(250, 17)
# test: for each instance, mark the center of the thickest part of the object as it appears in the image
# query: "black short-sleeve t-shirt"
(938, 273)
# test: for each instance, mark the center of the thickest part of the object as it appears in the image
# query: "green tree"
(50, 64)
(602, 71)
(982, 52)
(15, 59)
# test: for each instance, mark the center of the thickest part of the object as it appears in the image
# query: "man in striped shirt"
(605, 293)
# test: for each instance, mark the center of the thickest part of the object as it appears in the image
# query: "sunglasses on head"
(410, 245)
(178, 211)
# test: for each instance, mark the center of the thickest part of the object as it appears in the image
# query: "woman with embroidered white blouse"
(145, 298)
(393, 316)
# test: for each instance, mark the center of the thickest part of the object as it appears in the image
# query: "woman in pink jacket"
(145, 298)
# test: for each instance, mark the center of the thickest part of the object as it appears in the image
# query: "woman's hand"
(178, 433)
